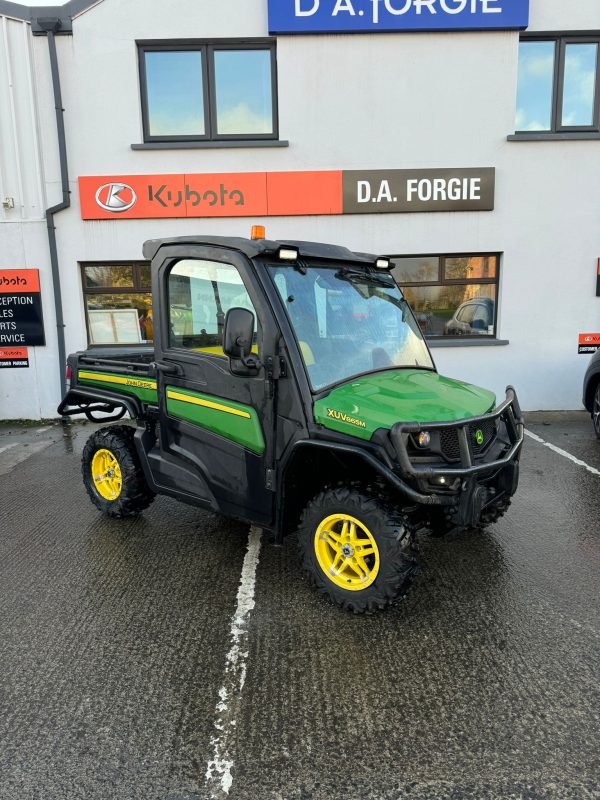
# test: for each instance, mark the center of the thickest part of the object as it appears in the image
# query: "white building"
(195, 96)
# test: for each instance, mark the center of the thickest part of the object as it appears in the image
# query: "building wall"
(25, 146)
(362, 101)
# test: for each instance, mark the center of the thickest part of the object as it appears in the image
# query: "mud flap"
(508, 480)
(470, 508)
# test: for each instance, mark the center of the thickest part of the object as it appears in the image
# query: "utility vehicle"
(290, 386)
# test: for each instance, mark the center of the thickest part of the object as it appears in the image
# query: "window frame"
(561, 40)
(207, 48)
(443, 281)
(137, 288)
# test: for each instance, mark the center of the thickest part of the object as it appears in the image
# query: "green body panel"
(244, 430)
(142, 388)
(213, 413)
(360, 407)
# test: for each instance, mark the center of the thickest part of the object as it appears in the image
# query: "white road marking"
(563, 453)
(23, 452)
(218, 772)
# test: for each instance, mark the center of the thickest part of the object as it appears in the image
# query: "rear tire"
(358, 550)
(112, 473)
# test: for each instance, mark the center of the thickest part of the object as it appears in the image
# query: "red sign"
(19, 281)
(249, 194)
(14, 358)
(589, 343)
(13, 352)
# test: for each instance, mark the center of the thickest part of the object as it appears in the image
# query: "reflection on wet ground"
(482, 684)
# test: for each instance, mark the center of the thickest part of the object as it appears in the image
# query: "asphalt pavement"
(176, 656)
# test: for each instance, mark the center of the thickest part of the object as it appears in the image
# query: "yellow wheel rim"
(347, 552)
(106, 475)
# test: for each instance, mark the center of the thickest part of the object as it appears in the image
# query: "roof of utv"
(257, 247)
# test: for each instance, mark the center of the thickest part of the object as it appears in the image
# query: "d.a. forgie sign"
(365, 16)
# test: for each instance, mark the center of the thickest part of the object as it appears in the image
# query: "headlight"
(424, 439)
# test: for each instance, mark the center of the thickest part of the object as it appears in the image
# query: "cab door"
(216, 428)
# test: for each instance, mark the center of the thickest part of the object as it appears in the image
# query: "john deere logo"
(479, 437)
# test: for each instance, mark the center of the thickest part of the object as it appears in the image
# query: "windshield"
(349, 321)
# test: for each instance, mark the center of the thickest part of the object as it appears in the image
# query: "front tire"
(112, 473)
(439, 525)
(358, 550)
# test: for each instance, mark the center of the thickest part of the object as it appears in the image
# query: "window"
(118, 303)
(208, 91)
(200, 295)
(451, 295)
(559, 85)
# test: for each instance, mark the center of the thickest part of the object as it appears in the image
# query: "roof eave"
(41, 16)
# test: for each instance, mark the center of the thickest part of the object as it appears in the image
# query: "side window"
(200, 295)
(467, 314)
(481, 318)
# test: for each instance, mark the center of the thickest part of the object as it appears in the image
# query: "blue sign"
(371, 16)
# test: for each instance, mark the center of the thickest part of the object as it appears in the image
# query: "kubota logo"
(116, 197)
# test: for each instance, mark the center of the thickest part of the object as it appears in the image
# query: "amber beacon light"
(258, 232)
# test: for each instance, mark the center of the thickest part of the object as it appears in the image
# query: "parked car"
(472, 318)
(591, 391)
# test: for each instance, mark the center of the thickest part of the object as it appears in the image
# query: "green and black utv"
(289, 386)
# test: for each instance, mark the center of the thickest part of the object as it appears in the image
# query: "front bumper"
(475, 481)
(508, 412)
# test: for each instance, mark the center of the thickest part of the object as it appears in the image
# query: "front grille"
(488, 429)
(449, 443)
(449, 439)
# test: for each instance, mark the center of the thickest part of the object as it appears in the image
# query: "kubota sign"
(275, 194)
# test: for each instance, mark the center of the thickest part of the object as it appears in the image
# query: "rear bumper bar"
(509, 412)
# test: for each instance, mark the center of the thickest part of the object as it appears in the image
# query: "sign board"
(14, 358)
(372, 16)
(21, 320)
(273, 194)
(588, 343)
(405, 190)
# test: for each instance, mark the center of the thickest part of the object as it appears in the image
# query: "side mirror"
(237, 337)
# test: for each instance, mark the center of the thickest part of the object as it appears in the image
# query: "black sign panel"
(21, 320)
(405, 191)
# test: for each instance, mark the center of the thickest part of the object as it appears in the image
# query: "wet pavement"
(115, 641)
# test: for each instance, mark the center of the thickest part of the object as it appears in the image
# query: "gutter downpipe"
(50, 26)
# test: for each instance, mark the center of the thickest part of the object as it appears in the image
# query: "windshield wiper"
(364, 276)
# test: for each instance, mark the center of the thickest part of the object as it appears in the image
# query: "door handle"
(167, 369)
